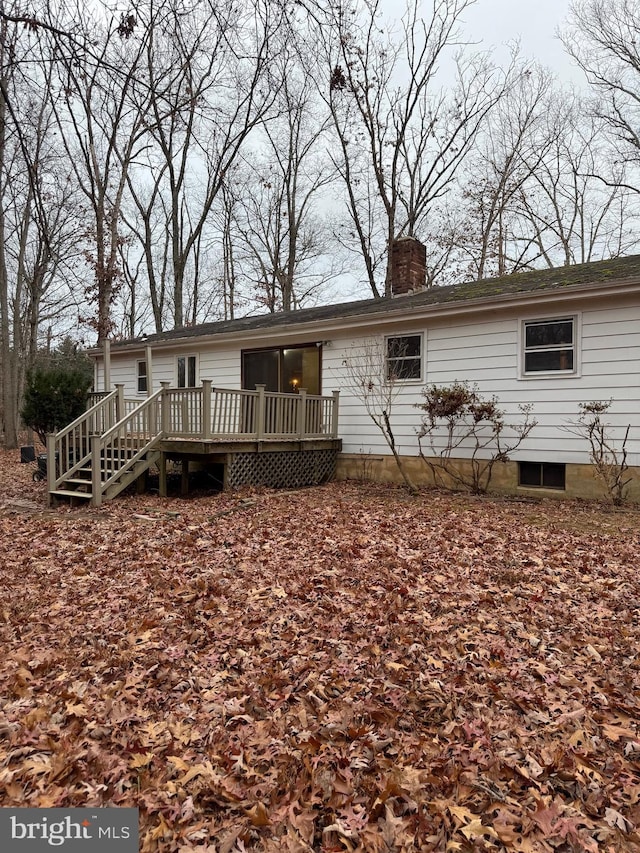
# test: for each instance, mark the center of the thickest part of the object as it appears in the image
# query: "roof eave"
(404, 314)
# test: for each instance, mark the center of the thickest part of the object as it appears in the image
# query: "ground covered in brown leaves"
(344, 668)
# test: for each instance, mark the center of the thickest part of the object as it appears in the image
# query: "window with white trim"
(404, 358)
(549, 346)
(142, 377)
(186, 371)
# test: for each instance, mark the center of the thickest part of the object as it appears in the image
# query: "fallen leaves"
(378, 673)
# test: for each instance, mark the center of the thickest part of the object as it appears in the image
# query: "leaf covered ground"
(345, 668)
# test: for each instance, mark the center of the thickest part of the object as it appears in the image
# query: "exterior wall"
(486, 354)
(485, 351)
(222, 366)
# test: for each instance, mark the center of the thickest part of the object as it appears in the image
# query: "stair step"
(113, 460)
(70, 493)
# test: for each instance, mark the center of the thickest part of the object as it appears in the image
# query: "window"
(186, 369)
(545, 475)
(549, 346)
(404, 357)
(142, 377)
(282, 369)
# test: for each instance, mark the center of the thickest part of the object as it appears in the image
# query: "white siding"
(486, 354)
(221, 366)
(482, 352)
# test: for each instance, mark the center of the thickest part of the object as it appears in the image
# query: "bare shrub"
(371, 383)
(608, 457)
(460, 421)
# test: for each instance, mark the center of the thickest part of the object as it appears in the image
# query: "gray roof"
(556, 279)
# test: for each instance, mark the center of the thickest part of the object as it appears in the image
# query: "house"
(551, 338)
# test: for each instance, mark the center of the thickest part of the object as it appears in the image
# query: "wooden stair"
(103, 451)
(78, 488)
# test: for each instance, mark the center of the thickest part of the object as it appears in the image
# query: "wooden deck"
(257, 437)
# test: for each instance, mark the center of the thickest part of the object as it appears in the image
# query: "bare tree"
(207, 76)
(39, 217)
(576, 206)
(508, 153)
(228, 274)
(283, 234)
(147, 217)
(608, 454)
(603, 37)
(377, 387)
(9, 402)
(400, 133)
(100, 127)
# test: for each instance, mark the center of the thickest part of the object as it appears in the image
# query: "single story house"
(552, 339)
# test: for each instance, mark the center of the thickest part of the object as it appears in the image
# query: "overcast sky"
(533, 22)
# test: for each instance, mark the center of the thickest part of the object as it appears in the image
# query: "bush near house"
(608, 457)
(458, 420)
(55, 395)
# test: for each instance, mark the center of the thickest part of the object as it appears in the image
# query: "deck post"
(206, 409)
(334, 415)
(106, 366)
(302, 411)
(166, 413)
(148, 357)
(260, 412)
(141, 483)
(51, 465)
(162, 475)
(119, 401)
(96, 472)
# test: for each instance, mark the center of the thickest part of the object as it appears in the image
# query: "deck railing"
(118, 449)
(223, 413)
(198, 413)
(70, 449)
(114, 433)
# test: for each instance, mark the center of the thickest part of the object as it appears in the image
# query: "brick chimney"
(408, 265)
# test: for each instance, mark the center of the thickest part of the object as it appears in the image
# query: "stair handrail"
(59, 467)
(101, 404)
(144, 404)
(100, 443)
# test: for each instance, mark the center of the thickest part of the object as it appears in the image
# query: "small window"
(549, 346)
(404, 357)
(142, 377)
(542, 475)
(187, 371)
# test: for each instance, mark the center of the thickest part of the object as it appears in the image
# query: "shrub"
(54, 397)
(364, 369)
(608, 457)
(458, 419)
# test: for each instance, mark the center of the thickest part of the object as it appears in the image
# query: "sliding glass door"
(284, 369)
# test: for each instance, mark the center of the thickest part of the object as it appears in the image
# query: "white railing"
(217, 413)
(94, 397)
(232, 413)
(182, 412)
(115, 452)
(70, 449)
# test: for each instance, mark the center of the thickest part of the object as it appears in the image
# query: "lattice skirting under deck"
(286, 470)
